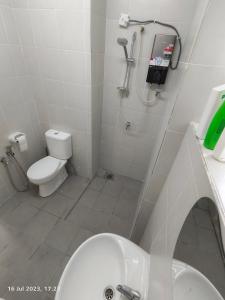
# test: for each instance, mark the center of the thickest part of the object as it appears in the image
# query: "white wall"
(186, 105)
(18, 111)
(128, 153)
(187, 182)
(98, 20)
(57, 46)
(204, 70)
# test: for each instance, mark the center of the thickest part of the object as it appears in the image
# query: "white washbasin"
(190, 284)
(106, 260)
(103, 261)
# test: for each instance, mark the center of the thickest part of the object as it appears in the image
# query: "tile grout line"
(78, 200)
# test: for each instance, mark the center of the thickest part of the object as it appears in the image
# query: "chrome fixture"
(109, 293)
(128, 292)
(124, 89)
(11, 159)
(123, 42)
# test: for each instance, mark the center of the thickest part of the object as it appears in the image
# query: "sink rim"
(180, 269)
(133, 257)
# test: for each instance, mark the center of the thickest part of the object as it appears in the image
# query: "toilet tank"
(59, 144)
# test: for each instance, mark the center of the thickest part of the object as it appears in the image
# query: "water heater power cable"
(137, 22)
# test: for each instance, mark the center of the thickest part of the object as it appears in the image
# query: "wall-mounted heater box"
(161, 56)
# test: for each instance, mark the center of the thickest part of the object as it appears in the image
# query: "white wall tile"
(40, 4)
(9, 23)
(194, 94)
(23, 22)
(210, 45)
(146, 121)
(77, 96)
(50, 62)
(73, 67)
(72, 29)
(116, 7)
(45, 28)
(17, 57)
(145, 10)
(6, 69)
(164, 226)
(54, 92)
(71, 4)
(177, 11)
(3, 37)
(20, 3)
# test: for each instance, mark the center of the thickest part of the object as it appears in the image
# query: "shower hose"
(6, 161)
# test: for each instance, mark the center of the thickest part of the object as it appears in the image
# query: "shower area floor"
(39, 235)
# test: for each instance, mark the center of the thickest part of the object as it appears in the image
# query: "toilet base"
(46, 189)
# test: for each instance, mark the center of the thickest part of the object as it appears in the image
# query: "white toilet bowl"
(48, 173)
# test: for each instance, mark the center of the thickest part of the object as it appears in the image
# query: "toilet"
(50, 172)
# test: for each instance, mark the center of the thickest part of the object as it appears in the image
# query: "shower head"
(123, 42)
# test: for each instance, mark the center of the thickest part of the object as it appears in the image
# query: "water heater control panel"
(161, 56)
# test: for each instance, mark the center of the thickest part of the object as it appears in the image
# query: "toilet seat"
(45, 169)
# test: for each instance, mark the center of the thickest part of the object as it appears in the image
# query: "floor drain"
(109, 293)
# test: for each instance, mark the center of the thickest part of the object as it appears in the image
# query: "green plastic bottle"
(216, 128)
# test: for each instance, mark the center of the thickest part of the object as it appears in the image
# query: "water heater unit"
(161, 56)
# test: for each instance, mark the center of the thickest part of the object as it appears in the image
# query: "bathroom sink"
(99, 265)
(106, 260)
(190, 284)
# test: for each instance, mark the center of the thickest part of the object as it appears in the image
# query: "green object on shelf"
(216, 128)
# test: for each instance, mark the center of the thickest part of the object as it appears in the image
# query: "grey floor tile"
(98, 183)
(9, 206)
(81, 236)
(8, 234)
(130, 194)
(119, 226)
(27, 295)
(202, 218)
(74, 187)
(131, 183)
(207, 240)
(62, 235)
(89, 198)
(6, 279)
(32, 198)
(21, 246)
(40, 227)
(58, 273)
(79, 215)
(203, 204)
(97, 222)
(36, 241)
(21, 216)
(189, 234)
(43, 265)
(59, 205)
(125, 209)
(188, 254)
(190, 219)
(105, 203)
(113, 188)
(16, 255)
(90, 219)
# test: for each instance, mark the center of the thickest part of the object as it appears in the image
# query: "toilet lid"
(43, 168)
